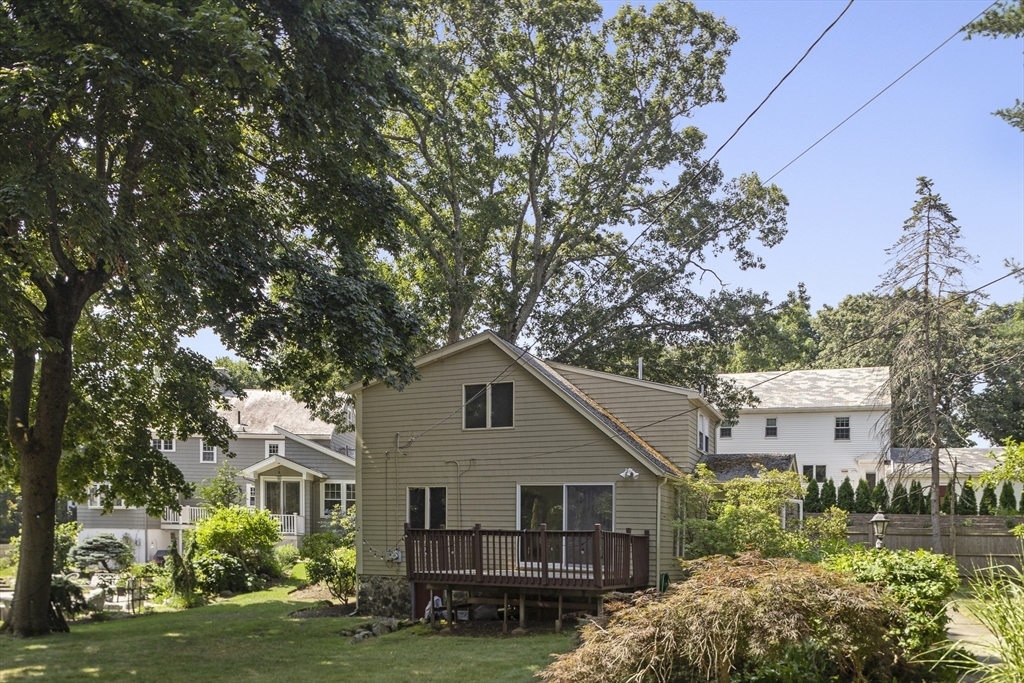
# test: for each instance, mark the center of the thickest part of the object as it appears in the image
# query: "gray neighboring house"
(291, 464)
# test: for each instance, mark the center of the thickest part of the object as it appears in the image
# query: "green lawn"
(250, 638)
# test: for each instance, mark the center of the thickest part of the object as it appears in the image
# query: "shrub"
(988, 503)
(828, 495)
(1007, 499)
(824, 536)
(812, 499)
(66, 597)
(331, 562)
(102, 550)
(286, 555)
(901, 500)
(862, 501)
(221, 491)
(967, 502)
(735, 615)
(249, 535)
(65, 537)
(920, 581)
(844, 496)
(217, 571)
(880, 498)
(918, 505)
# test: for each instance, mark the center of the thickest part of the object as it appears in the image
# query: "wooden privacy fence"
(978, 541)
(585, 560)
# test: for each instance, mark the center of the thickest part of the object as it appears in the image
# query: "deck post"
(522, 610)
(598, 557)
(448, 606)
(544, 554)
(504, 626)
(558, 622)
(408, 554)
(433, 610)
(478, 553)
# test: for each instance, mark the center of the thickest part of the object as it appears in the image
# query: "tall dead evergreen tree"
(927, 365)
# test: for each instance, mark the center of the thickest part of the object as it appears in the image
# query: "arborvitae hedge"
(862, 502)
(1007, 499)
(900, 500)
(812, 500)
(967, 502)
(844, 496)
(880, 497)
(828, 495)
(917, 502)
(988, 503)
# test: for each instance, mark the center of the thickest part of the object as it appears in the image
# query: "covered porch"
(288, 524)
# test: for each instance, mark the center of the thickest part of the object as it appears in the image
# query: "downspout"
(657, 535)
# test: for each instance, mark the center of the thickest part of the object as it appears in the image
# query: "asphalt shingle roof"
(845, 387)
(728, 466)
(261, 410)
(969, 461)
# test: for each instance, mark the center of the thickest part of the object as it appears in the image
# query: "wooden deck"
(595, 560)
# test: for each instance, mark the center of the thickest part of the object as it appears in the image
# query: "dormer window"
(488, 406)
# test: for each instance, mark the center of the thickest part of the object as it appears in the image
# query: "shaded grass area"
(250, 638)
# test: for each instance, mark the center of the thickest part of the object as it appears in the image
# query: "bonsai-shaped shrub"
(102, 550)
(812, 499)
(828, 495)
(880, 498)
(988, 503)
(863, 503)
(900, 504)
(248, 535)
(920, 581)
(1007, 499)
(734, 616)
(844, 497)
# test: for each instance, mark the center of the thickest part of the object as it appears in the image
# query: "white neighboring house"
(290, 463)
(914, 464)
(834, 421)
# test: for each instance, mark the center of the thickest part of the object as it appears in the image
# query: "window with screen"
(808, 472)
(428, 507)
(488, 406)
(819, 473)
(771, 426)
(208, 453)
(725, 431)
(842, 429)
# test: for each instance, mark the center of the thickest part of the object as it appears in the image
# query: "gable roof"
(562, 387)
(969, 461)
(261, 411)
(817, 389)
(281, 461)
(343, 457)
(727, 466)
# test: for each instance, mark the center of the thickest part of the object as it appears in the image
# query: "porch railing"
(189, 515)
(594, 560)
(291, 525)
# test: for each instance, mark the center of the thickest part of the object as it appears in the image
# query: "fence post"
(544, 554)
(409, 555)
(478, 553)
(598, 557)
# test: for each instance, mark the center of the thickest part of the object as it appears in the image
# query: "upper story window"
(96, 499)
(703, 439)
(771, 426)
(842, 428)
(207, 452)
(488, 406)
(725, 431)
(274, 448)
(165, 445)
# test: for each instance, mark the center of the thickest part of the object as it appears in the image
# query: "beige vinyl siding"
(550, 443)
(639, 407)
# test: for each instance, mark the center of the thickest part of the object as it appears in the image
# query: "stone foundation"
(384, 596)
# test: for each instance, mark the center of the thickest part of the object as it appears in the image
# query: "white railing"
(291, 525)
(189, 515)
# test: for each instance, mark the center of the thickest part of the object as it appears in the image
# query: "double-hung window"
(725, 431)
(207, 452)
(488, 406)
(428, 507)
(842, 429)
(250, 495)
(703, 440)
(165, 445)
(815, 472)
(340, 495)
(771, 426)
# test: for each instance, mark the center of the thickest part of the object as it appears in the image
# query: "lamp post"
(880, 523)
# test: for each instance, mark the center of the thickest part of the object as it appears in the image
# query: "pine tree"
(900, 500)
(812, 500)
(967, 501)
(1007, 499)
(862, 502)
(844, 496)
(828, 495)
(917, 502)
(880, 497)
(988, 503)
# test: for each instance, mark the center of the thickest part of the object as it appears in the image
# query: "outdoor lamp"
(880, 523)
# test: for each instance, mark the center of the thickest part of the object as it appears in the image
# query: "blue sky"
(850, 195)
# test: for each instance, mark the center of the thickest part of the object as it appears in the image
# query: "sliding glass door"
(567, 507)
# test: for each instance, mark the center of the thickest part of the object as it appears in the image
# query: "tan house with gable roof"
(504, 476)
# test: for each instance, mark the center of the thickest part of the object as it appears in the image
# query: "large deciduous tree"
(543, 131)
(166, 166)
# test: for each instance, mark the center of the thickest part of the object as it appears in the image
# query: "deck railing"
(592, 560)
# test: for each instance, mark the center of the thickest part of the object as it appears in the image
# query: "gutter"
(657, 534)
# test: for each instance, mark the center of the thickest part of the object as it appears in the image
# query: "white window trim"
(487, 408)
(266, 448)
(201, 454)
(323, 495)
(250, 496)
(426, 502)
(565, 486)
(776, 425)
(263, 494)
(98, 504)
(174, 444)
(727, 424)
(848, 428)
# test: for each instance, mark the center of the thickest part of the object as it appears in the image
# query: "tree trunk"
(456, 322)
